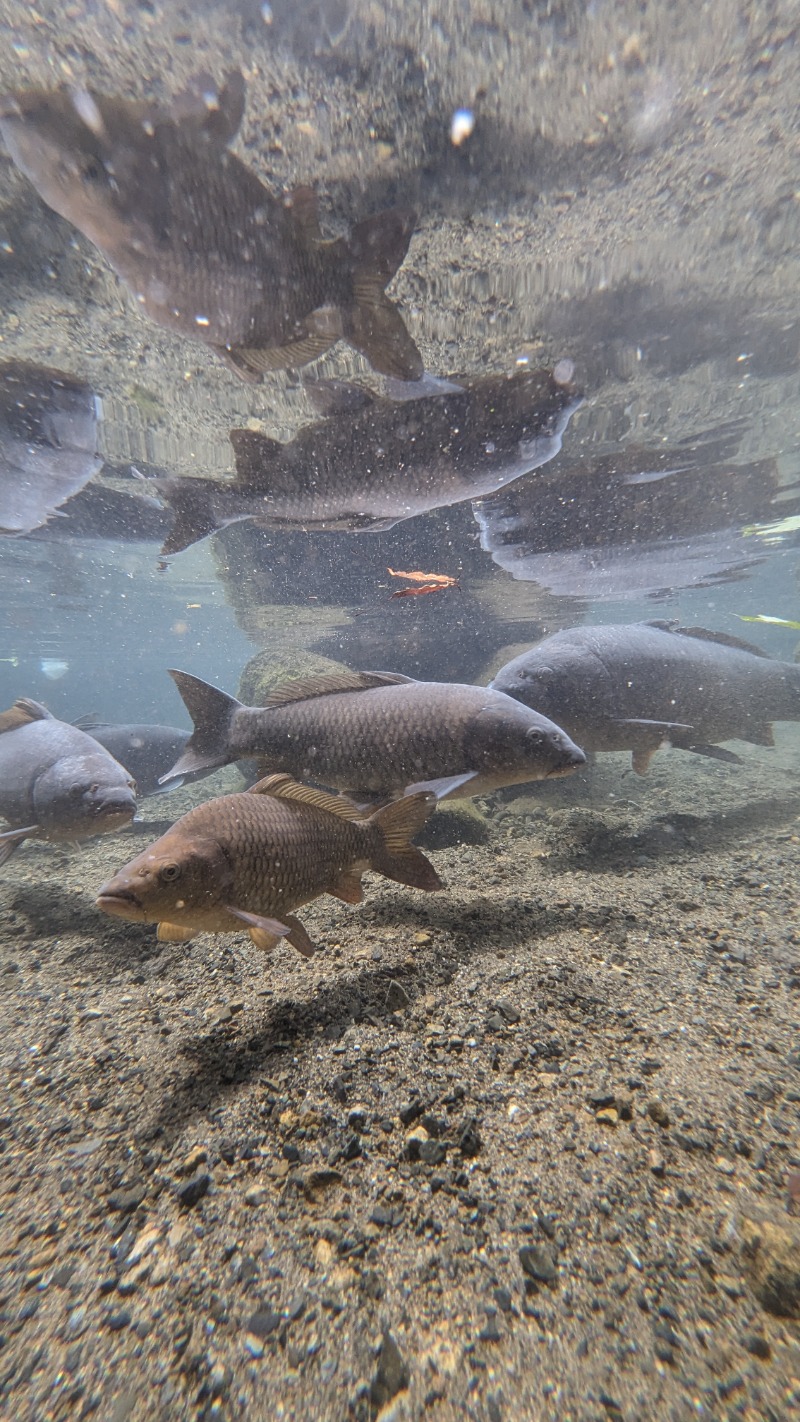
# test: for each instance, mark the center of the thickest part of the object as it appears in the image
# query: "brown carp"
(642, 685)
(207, 250)
(56, 782)
(378, 733)
(247, 860)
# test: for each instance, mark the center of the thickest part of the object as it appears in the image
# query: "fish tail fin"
(396, 857)
(193, 506)
(212, 712)
(373, 324)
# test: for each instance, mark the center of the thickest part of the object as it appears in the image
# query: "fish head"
(552, 750)
(85, 155)
(82, 794)
(516, 740)
(178, 879)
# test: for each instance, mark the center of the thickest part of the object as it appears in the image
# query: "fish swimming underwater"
(643, 685)
(247, 860)
(376, 461)
(377, 733)
(146, 751)
(207, 250)
(56, 782)
(48, 442)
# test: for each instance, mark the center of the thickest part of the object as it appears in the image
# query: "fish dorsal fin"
(307, 688)
(22, 713)
(302, 203)
(254, 453)
(256, 360)
(283, 787)
(725, 639)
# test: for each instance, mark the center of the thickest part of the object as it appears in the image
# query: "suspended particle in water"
(461, 126)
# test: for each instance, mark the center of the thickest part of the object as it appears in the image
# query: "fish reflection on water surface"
(376, 461)
(639, 522)
(48, 442)
(207, 250)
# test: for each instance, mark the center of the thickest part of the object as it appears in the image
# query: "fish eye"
(535, 737)
(169, 873)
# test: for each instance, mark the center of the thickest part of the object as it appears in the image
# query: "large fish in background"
(378, 734)
(207, 250)
(642, 685)
(48, 442)
(56, 782)
(376, 461)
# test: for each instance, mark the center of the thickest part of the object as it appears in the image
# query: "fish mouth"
(121, 902)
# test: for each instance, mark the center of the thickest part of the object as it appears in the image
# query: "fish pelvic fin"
(348, 887)
(212, 712)
(251, 362)
(174, 932)
(397, 857)
(373, 324)
(265, 932)
(22, 713)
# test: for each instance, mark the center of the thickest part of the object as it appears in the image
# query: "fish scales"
(251, 858)
(378, 733)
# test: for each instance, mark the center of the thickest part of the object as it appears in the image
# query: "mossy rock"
(266, 670)
(455, 822)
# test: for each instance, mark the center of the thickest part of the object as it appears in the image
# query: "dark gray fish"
(245, 861)
(48, 442)
(147, 752)
(378, 734)
(207, 250)
(643, 685)
(377, 461)
(56, 782)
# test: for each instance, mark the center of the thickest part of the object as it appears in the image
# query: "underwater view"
(400, 710)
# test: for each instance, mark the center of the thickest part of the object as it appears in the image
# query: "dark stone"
(291, 1153)
(391, 1376)
(357, 1119)
(352, 1148)
(756, 1344)
(191, 1192)
(227, 1150)
(600, 1098)
(410, 1112)
(263, 1323)
(118, 1320)
(469, 1141)
(495, 1022)
(537, 1262)
(491, 1332)
(432, 1152)
(384, 1217)
(124, 1201)
(338, 1089)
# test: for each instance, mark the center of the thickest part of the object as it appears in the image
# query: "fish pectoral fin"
(272, 926)
(253, 361)
(10, 841)
(446, 786)
(22, 713)
(348, 887)
(283, 787)
(715, 753)
(666, 728)
(239, 367)
(174, 933)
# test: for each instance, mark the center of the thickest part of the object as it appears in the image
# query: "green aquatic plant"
(771, 621)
